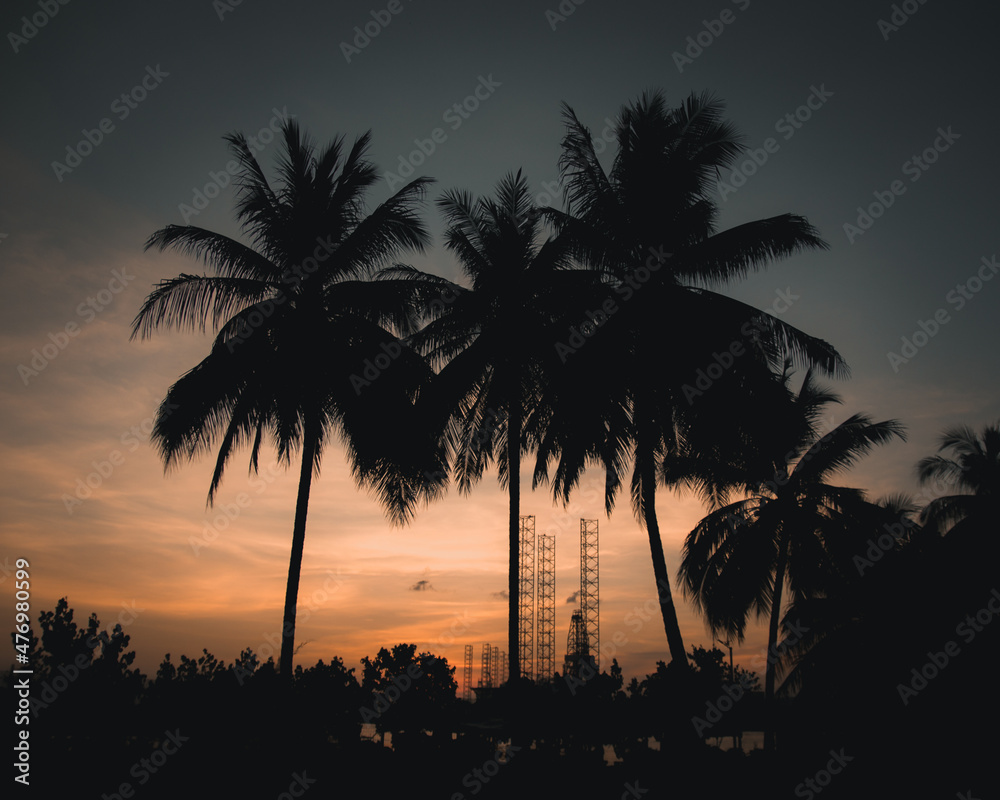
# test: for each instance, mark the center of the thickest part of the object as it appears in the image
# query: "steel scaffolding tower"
(504, 667)
(545, 634)
(467, 683)
(485, 677)
(589, 589)
(495, 666)
(526, 596)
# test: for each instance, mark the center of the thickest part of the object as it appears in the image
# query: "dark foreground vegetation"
(890, 691)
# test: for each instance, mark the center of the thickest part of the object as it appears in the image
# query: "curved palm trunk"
(298, 543)
(772, 643)
(647, 479)
(514, 566)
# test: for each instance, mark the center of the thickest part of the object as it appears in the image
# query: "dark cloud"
(421, 586)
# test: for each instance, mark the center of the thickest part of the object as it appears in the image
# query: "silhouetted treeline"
(201, 728)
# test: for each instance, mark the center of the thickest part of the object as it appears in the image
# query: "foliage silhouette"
(738, 559)
(494, 342)
(648, 227)
(974, 466)
(300, 322)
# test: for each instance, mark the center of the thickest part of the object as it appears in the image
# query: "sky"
(873, 120)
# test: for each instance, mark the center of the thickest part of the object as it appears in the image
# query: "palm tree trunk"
(298, 544)
(647, 478)
(514, 566)
(772, 643)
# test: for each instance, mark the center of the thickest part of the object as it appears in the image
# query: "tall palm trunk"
(772, 641)
(514, 566)
(647, 487)
(309, 443)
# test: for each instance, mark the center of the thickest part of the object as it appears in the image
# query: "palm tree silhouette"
(492, 342)
(629, 397)
(738, 558)
(304, 345)
(973, 466)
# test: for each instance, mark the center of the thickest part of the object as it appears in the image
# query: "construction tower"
(584, 640)
(526, 597)
(467, 683)
(578, 656)
(545, 632)
(589, 587)
(485, 677)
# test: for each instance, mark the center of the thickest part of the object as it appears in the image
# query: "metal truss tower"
(467, 683)
(526, 597)
(495, 666)
(545, 633)
(504, 667)
(485, 677)
(589, 587)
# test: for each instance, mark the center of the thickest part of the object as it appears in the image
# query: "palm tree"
(305, 344)
(492, 342)
(637, 389)
(739, 557)
(973, 466)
